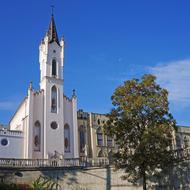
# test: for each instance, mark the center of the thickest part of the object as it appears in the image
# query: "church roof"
(52, 32)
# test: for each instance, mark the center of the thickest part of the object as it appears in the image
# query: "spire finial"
(74, 93)
(52, 32)
(52, 9)
(30, 85)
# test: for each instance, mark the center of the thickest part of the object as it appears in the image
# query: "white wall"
(14, 148)
(53, 138)
(38, 115)
(70, 118)
(16, 122)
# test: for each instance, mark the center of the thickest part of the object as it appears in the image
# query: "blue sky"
(107, 42)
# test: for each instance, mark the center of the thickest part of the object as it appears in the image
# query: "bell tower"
(51, 55)
(51, 58)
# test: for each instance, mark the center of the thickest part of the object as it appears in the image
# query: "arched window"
(67, 138)
(82, 138)
(99, 137)
(37, 136)
(54, 67)
(178, 142)
(109, 141)
(110, 154)
(186, 141)
(100, 153)
(54, 99)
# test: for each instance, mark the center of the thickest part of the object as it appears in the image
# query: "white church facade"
(45, 123)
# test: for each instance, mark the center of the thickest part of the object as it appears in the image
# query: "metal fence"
(179, 155)
(40, 163)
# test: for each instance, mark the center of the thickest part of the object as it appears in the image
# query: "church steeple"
(51, 55)
(52, 32)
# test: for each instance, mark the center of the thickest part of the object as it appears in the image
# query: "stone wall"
(69, 179)
(177, 178)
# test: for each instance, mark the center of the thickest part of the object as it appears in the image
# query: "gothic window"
(186, 141)
(67, 138)
(37, 134)
(99, 137)
(178, 142)
(54, 99)
(109, 141)
(82, 138)
(110, 154)
(54, 125)
(54, 67)
(100, 154)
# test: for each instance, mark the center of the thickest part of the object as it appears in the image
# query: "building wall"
(16, 122)
(97, 121)
(84, 134)
(20, 121)
(70, 119)
(11, 144)
(69, 179)
(94, 123)
(182, 137)
(38, 116)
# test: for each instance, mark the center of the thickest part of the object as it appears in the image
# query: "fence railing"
(182, 154)
(36, 163)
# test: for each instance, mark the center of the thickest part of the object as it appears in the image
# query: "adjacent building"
(93, 142)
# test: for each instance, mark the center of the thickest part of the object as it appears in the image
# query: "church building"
(45, 123)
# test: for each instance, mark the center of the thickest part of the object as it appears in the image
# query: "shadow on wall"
(108, 178)
(68, 176)
(72, 178)
(175, 178)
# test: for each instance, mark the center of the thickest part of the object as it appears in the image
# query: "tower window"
(54, 99)
(54, 67)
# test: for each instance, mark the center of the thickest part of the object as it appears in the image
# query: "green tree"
(142, 127)
(45, 183)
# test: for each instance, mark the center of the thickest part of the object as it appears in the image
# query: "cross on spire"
(52, 9)
(52, 32)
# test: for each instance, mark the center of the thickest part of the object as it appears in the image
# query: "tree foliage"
(45, 183)
(142, 127)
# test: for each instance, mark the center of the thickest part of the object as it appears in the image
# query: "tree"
(142, 127)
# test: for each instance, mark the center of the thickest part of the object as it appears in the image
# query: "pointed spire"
(30, 86)
(52, 32)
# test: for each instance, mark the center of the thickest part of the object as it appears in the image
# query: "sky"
(106, 43)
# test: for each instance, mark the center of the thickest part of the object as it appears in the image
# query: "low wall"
(99, 178)
(69, 179)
